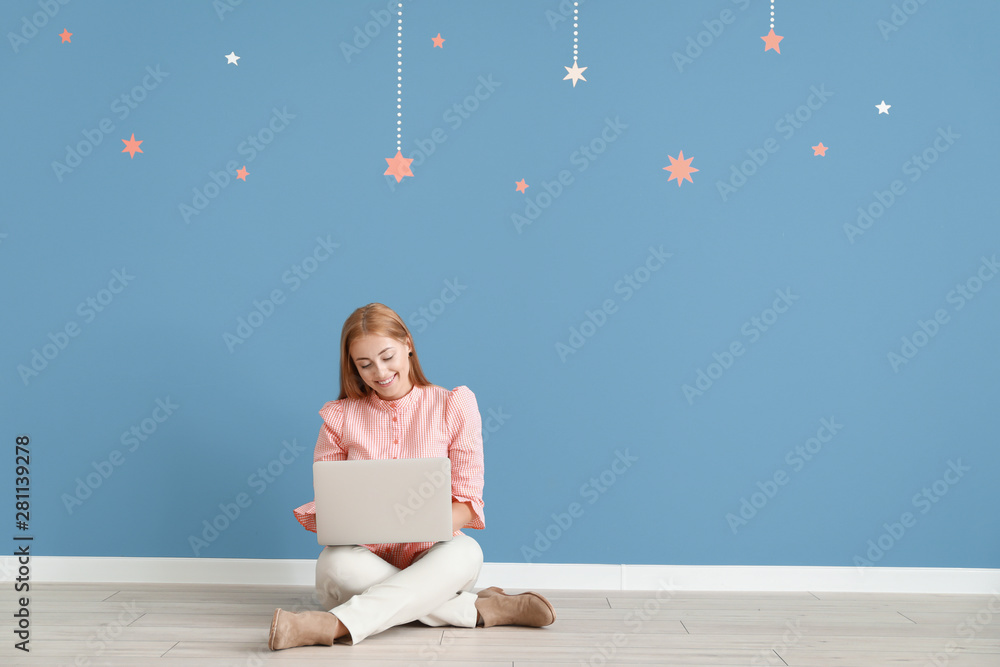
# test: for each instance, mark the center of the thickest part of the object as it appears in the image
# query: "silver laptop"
(382, 501)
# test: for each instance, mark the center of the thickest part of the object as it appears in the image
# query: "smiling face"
(384, 365)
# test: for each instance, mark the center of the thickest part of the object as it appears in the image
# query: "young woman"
(388, 409)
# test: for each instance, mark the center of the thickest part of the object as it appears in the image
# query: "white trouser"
(369, 595)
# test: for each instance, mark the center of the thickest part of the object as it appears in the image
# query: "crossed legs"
(368, 595)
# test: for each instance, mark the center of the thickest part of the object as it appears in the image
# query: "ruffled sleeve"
(328, 448)
(465, 427)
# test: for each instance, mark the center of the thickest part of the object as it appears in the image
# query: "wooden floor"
(130, 625)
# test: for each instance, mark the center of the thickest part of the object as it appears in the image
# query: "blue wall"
(741, 403)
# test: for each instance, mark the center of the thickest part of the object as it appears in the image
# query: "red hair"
(375, 319)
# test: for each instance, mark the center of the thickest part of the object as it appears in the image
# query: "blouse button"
(395, 442)
(393, 419)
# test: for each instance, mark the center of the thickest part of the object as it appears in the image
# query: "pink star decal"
(680, 168)
(771, 41)
(521, 186)
(438, 41)
(131, 146)
(820, 149)
(66, 34)
(242, 174)
(399, 166)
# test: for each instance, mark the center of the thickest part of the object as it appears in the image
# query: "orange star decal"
(680, 168)
(242, 174)
(771, 41)
(131, 146)
(66, 34)
(438, 41)
(521, 186)
(820, 149)
(399, 166)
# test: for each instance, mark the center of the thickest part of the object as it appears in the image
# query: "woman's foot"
(306, 628)
(528, 609)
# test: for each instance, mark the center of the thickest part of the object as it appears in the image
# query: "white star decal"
(232, 58)
(883, 108)
(575, 73)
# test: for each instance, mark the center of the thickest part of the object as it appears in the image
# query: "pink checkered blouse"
(429, 421)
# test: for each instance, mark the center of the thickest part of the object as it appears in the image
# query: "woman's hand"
(461, 514)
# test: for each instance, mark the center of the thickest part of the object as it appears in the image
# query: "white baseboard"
(528, 575)
(812, 578)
